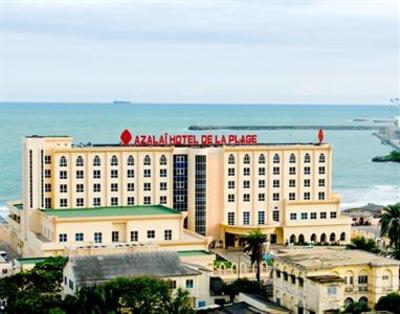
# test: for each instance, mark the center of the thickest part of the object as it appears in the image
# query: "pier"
(285, 127)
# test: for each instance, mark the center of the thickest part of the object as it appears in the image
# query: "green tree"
(390, 227)
(357, 308)
(389, 302)
(254, 243)
(240, 285)
(364, 244)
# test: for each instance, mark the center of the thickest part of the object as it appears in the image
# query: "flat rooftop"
(328, 257)
(142, 210)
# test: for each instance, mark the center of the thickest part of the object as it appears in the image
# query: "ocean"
(355, 177)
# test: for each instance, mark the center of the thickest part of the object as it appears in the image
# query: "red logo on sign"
(126, 137)
(320, 135)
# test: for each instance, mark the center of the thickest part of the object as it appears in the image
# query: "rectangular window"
(292, 183)
(261, 171)
(276, 183)
(231, 219)
(147, 200)
(147, 186)
(231, 184)
(79, 236)
(131, 187)
(134, 236)
(231, 171)
(80, 202)
(246, 197)
(63, 174)
(114, 187)
(79, 188)
(130, 200)
(130, 173)
(79, 174)
(275, 196)
(114, 173)
(261, 197)
(333, 215)
(313, 215)
(321, 170)
(97, 187)
(275, 215)
(163, 199)
(189, 283)
(47, 173)
(292, 196)
(115, 236)
(71, 284)
(163, 186)
(47, 187)
(307, 196)
(63, 202)
(47, 202)
(172, 284)
(321, 195)
(231, 198)
(276, 170)
(114, 201)
(98, 237)
(322, 215)
(63, 188)
(96, 201)
(246, 184)
(168, 234)
(292, 170)
(96, 174)
(163, 173)
(246, 218)
(363, 279)
(62, 237)
(331, 291)
(307, 183)
(307, 170)
(321, 182)
(246, 171)
(151, 234)
(261, 183)
(304, 216)
(293, 216)
(147, 173)
(47, 160)
(261, 217)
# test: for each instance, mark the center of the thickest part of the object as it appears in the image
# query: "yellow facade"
(320, 279)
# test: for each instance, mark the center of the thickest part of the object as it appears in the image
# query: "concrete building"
(74, 192)
(323, 280)
(88, 271)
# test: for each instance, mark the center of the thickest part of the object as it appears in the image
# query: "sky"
(199, 51)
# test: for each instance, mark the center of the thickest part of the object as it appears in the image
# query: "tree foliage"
(254, 244)
(357, 308)
(390, 227)
(389, 302)
(364, 244)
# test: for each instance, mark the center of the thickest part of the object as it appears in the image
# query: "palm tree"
(253, 247)
(390, 227)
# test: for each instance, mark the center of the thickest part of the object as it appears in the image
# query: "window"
(293, 216)
(134, 236)
(292, 183)
(246, 197)
(147, 160)
(151, 234)
(130, 200)
(163, 186)
(276, 183)
(63, 174)
(304, 216)
(321, 158)
(172, 284)
(331, 290)
(307, 196)
(130, 173)
(261, 183)
(63, 202)
(363, 279)
(276, 159)
(163, 199)
(96, 201)
(96, 161)
(307, 170)
(79, 236)
(321, 170)
(292, 196)
(80, 202)
(275, 196)
(131, 187)
(261, 171)
(322, 215)
(276, 170)
(292, 159)
(231, 198)
(47, 173)
(130, 161)
(261, 159)
(115, 236)
(98, 237)
(114, 161)
(79, 161)
(261, 197)
(246, 184)
(231, 171)
(321, 182)
(307, 158)
(97, 187)
(96, 174)
(62, 237)
(147, 173)
(114, 187)
(147, 186)
(246, 159)
(114, 201)
(47, 187)
(333, 215)
(231, 218)
(47, 202)
(79, 174)
(313, 215)
(168, 234)
(147, 200)
(47, 160)
(307, 183)
(246, 218)
(63, 188)
(246, 171)
(321, 195)
(231, 159)
(63, 161)
(163, 173)
(114, 173)
(71, 284)
(231, 184)
(261, 217)
(189, 283)
(275, 215)
(79, 188)
(163, 160)
(292, 170)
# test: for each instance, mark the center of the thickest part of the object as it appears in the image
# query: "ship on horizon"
(122, 102)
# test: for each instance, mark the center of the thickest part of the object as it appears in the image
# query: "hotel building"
(189, 194)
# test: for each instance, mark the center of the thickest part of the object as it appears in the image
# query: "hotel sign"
(186, 139)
